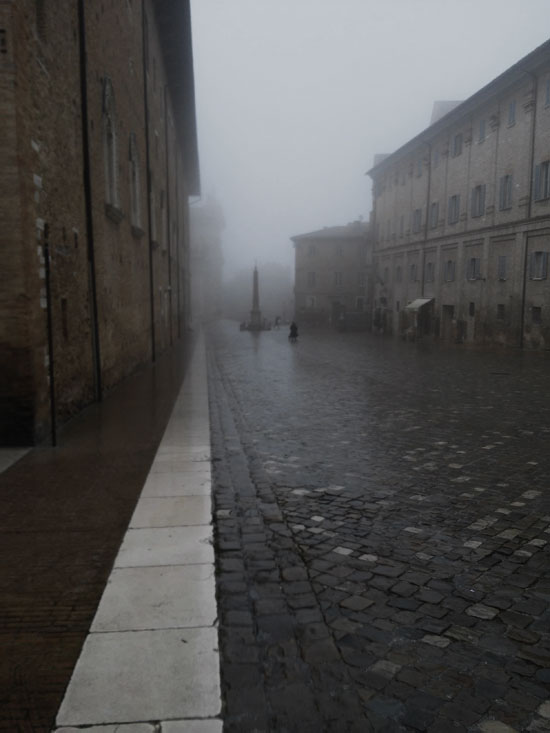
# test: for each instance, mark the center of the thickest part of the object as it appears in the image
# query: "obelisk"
(255, 313)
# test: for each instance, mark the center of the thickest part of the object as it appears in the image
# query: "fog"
(295, 97)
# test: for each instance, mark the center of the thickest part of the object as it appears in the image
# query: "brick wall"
(43, 198)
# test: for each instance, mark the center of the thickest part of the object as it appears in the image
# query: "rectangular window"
(398, 274)
(547, 94)
(412, 273)
(397, 306)
(536, 314)
(473, 268)
(478, 200)
(454, 209)
(311, 250)
(436, 158)
(434, 214)
(538, 265)
(401, 225)
(362, 279)
(457, 145)
(472, 310)
(481, 131)
(501, 311)
(449, 273)
(311, 279)
(338, 278)
(430, 272)
(501, 267)
(505, 193)
(512, 113)
(3, 41)
(542, 180)
(419, 168)
(417, 221)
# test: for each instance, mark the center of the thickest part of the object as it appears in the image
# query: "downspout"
(178, 275)
(96, 355)
(51, 372)
(529, 209)
(426, 224)
(168, 221)
(144, 45)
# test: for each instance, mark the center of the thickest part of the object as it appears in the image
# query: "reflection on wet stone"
(418, 525)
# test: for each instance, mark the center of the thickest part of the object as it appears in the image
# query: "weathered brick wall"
(42, 191)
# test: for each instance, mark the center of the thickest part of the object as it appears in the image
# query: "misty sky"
(294, 98)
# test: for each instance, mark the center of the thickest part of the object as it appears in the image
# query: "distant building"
(99, 155)
(461, 218)
(331, 276)
(207, 224)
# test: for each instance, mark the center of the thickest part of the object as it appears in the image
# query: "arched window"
(135, 197)
(110, 145)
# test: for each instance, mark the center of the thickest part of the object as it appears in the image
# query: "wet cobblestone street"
(382, 515)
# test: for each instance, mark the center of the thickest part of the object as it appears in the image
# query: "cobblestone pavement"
(382, 529)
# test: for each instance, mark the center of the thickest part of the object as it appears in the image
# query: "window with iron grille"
(478, 200)
(481, 137)
(454, 209)
(457, 145)
(512, 113)
(542, 180)
(449, 272)
(536, 314)
(501, 311)
(417, 221)
(434, 214)
(538, 265)
(473, 268)
(502, 267)
(430, 272)
(505, 193)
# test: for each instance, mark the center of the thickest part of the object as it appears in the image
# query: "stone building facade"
(461, 218)
(98, 158)
(331, 276)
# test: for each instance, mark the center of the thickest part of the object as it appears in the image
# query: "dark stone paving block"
(417, 718)
(429, 609)
(277, 627)
(320, 651)
(456, 712)
(238, 618)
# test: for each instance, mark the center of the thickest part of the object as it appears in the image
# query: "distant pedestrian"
(293, 335)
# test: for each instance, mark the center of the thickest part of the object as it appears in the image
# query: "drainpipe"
(96, 355)
(51, 374)
(178, 246)
(529, 209)
(168, 221)
(144, 45)
(426, 224)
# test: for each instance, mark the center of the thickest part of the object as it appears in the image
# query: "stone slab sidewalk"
(150, 661)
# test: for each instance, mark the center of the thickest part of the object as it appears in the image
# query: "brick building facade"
(98, 158)
(461, 218)
(331, 275)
